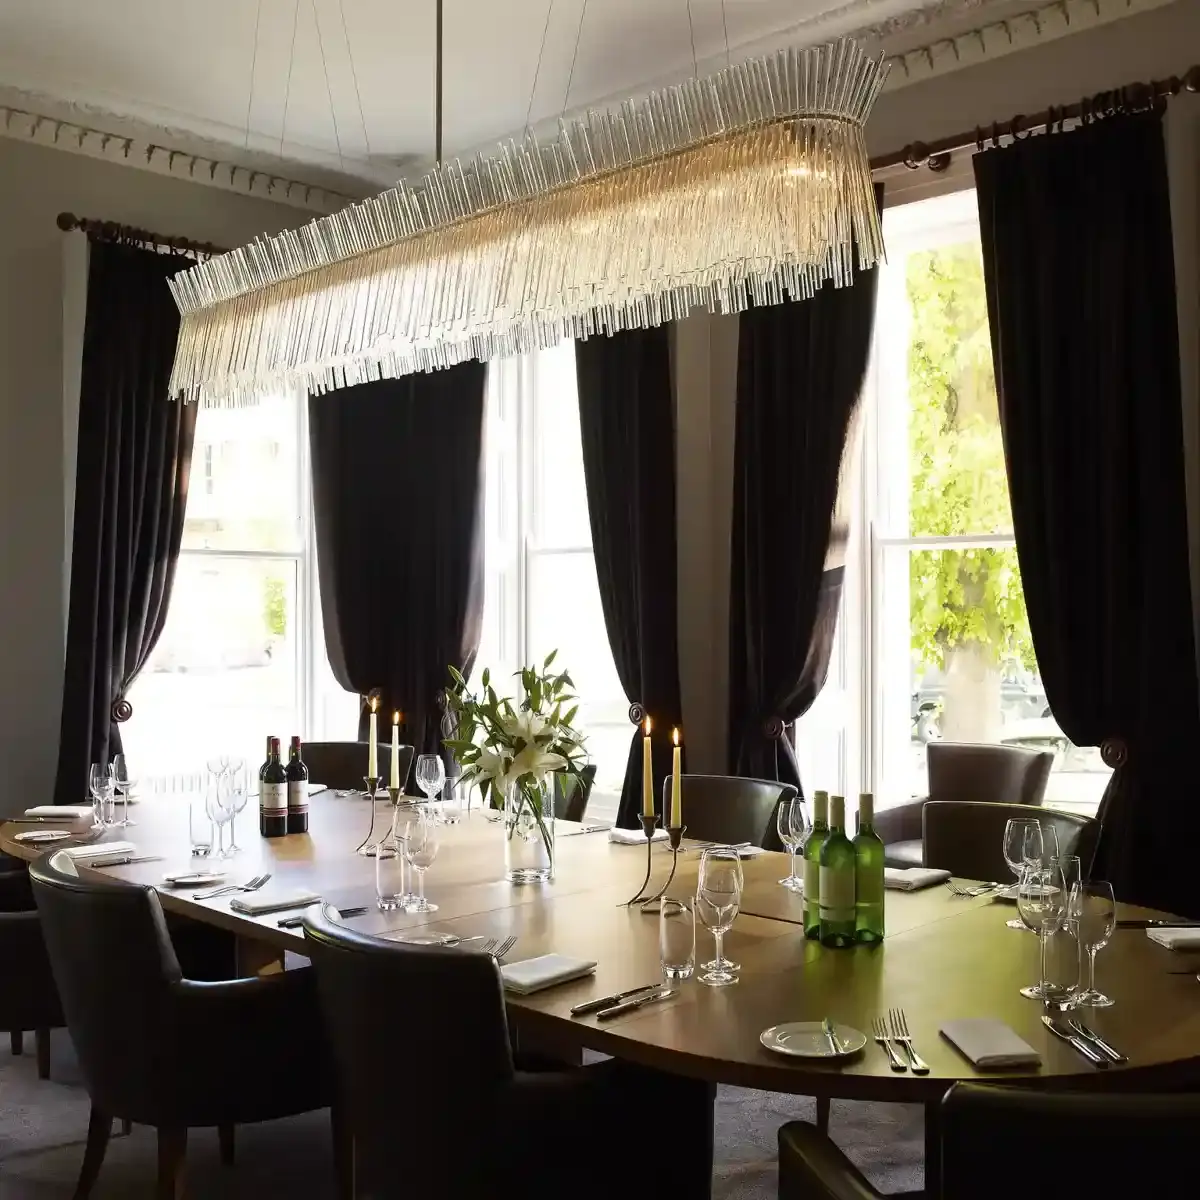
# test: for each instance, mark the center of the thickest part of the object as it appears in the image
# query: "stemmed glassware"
(100, 784)
(792, 824)
(1042, 903)
(421, 843)
(1093, 912)
(431, 775)
(718, 900)
(122, 780)
(219, 812)
(233, 780)
(1014, 851)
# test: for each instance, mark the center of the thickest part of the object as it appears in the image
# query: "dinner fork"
(251, 885)
(880, 1032)
(900, 1034)
(501, 950)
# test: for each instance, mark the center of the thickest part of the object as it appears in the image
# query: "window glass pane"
(224, 674)
(560, 512)
(245, 488)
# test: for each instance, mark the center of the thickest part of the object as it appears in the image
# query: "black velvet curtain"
(131, 482)
(398, 500)
(800, 372)
(628, 432)
(1081, 299)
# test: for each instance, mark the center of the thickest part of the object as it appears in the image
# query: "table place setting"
(59, 812)
(265, 900)
(545, 971)
(813, 1039)
(913, 879)
(989, 1045)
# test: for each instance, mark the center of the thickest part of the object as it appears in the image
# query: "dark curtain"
(397, 471)
(1081, 299)
(131, 482)
(627, 426)
(800, 373)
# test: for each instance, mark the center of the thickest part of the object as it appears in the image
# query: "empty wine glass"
(431, 774)
(101, 786)
(1042, 903)
(233, 780)
(220, 813)
(1014, 852)
(123, 780)
(718, 899)
(791, 822)
(421, 842)
(1093, 911)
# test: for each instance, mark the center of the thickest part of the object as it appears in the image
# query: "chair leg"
(126, 1126)
(99, 1129)
(172, 1148)
(823, 1113)
(42, 1040)
(343, 1154)
(16, 1041)
(225, 1136)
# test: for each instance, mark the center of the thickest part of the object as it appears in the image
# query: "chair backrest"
(967, 837)
(408, 1024)
(114, 964)
(570, 796)
(994, 774)
(1103, 1143)
(728, 808)
(342, 765)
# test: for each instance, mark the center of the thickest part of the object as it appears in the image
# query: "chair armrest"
(811, 1167)
(900, 824)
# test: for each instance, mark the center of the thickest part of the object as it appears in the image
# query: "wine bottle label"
(837, 894)
(273, 799)
(297, 796)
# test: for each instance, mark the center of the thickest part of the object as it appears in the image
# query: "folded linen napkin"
(1176, 939)
(634, 837)
(912, 879)
(990, 1044)
(99, 850)
(69, 812)
(545, 971)
(273, 900)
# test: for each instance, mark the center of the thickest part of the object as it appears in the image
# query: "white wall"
(1152, 45)
(36, 183)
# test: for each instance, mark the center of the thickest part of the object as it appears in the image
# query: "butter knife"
(591, 1006)
(606, 1014)
(1087, 1032)
(1093, 1056)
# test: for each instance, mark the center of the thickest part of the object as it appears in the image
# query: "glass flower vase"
(529, 831)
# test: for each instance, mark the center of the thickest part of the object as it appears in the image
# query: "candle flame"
(647, 726)
(675, 736)
(395, 718)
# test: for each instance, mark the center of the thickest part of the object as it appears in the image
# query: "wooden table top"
(943, 957)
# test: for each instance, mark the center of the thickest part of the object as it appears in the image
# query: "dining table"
(944, 957)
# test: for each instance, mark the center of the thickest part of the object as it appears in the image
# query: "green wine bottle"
(837, 880)
(868, 875)
(812, 865)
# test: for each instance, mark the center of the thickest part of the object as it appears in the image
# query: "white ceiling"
(187, 65)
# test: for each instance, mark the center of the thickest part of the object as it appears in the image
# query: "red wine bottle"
(297, 790)
(272, 794)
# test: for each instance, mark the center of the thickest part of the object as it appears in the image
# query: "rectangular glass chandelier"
(751, 186)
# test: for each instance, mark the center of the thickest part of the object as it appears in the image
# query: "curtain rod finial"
(66, 221)
(1191, 80)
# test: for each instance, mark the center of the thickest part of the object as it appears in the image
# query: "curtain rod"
(1133, 96)
(113, 231)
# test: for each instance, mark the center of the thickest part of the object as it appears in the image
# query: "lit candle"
(647, 774)
(394, 779)
(373, 743)
(676, 786)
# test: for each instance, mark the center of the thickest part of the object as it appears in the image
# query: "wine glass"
(1042, 903)
(100, 785)
(123, 779)
(421, 844)
(1094, 913)
(431, 774)
(233, 779)
(718, 899)
(791, 822)
(1014, 852)
(219, 813)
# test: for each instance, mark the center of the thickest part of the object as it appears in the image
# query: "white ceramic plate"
(193, 878)
(806, 1039)
(42, 835)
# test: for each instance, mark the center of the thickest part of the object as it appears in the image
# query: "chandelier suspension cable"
(725, 30)
(253, 68)
(438, 86)
(354, 76)
(287, 94)
(537, 70)
(692, 36)
(574, 56)
(337, 134)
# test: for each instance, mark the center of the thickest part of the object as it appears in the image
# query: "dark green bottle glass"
(812, 865)
(837, 880)
(868, 875)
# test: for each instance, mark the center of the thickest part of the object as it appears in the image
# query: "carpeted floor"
(43, 1125)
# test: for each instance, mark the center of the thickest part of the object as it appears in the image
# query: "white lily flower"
(491, 765)
(523, 725)
(535, 761)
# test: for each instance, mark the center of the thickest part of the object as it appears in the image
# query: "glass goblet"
(431, 775)
(100, 785)
(1094, 913)
(1042, 904)
(421, 843)
(718, 900)
(1014, 852)
(123, 780)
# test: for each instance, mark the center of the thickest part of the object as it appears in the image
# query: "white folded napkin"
(273, 900)
(990, 1044)
(545, 971)
(912, 879)
(634, 837)
(1176, 939)
(68, 811)
(100, 850)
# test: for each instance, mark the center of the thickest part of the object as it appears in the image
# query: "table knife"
(834, 1044)
(124, 862)
(1093, 1056)
(296, 921)
(591, 1006)
(606, 1014)
(1087, 1032)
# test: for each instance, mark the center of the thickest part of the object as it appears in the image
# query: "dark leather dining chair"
(342, 765)
(158, 1049)
(729, 808)
(421, 1043)
(966, 838)
(28, 995)
(1107, 1146)
(963, 771)
(571, 796)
